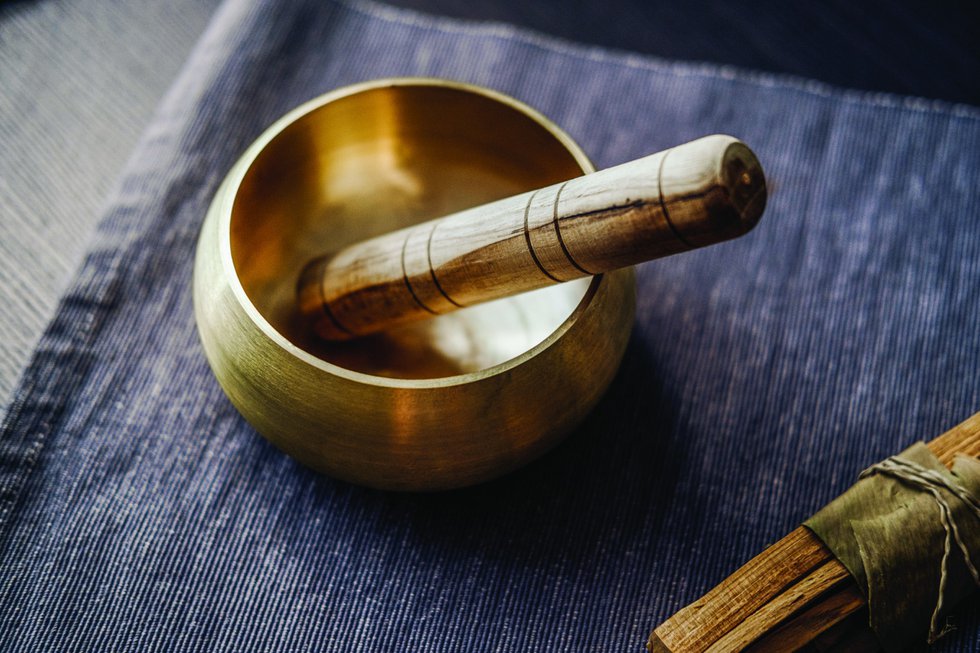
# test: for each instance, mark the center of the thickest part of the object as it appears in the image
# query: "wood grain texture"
(699, 625)
(783, 606)
(812, 622)
(790, 596)
(703, 192)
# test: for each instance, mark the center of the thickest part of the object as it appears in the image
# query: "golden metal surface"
(445, 403)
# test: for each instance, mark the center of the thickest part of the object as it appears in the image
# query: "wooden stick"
(827, 576)
(693, 195)
(812, 622)
(702, 623)
(788, 595)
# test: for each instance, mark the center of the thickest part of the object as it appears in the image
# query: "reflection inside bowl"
(467, 340)
(376, 162)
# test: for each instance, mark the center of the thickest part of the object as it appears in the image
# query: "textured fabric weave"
(138, 511)
(78, 85)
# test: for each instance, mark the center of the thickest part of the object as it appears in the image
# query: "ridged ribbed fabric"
(78, 84)
(139, 511)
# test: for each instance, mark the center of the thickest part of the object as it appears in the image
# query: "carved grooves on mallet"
(527, 238)
(408, 283)
(432, 270)
(663, 202)
(561, 241)
(326, 305)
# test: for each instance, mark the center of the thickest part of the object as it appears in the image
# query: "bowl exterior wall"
(399, 434)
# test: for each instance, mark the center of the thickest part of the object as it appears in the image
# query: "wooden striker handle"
(689, 196)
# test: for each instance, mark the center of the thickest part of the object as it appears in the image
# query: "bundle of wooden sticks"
(793, 596)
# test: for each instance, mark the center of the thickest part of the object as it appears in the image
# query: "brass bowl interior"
(379, 160)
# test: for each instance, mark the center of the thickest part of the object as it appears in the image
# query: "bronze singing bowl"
(440, 404)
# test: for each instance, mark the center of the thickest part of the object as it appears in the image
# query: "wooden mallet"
(700, 193)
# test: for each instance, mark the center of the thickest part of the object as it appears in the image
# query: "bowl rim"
(229, 192)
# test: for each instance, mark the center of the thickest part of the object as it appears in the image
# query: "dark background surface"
(929, 49)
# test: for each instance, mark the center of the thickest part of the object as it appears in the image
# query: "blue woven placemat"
(138, 511)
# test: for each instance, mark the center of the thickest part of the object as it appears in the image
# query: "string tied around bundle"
(927, 480)
(910, 562)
